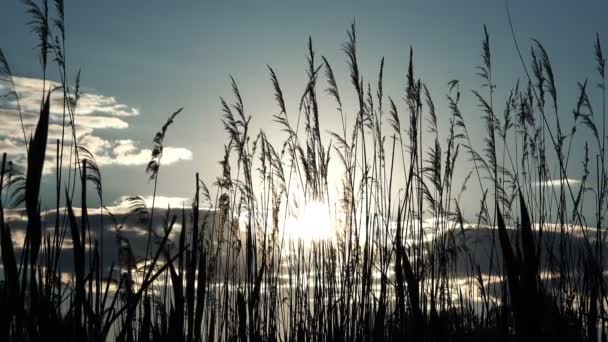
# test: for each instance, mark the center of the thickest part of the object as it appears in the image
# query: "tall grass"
(402, 263)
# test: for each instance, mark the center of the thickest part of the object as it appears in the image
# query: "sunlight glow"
(310, 223)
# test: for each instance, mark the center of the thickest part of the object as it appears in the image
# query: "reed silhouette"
(403, 264)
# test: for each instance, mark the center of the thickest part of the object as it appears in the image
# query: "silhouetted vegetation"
(404, 263)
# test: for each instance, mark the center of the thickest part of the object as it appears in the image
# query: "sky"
(141, 60)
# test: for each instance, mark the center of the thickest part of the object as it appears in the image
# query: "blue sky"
(156, 56)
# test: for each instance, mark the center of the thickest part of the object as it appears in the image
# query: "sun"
(310, 223)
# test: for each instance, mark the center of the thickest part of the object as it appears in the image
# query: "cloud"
(10, 146)
(124, 152)
(123, 204)
(557, 182)
(473, 243)
(30, 95)
(97, 117)
(101, 122)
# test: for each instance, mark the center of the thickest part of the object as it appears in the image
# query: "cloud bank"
(557, 182)
(98, 117)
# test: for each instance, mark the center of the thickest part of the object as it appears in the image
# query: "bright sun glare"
(310, 223)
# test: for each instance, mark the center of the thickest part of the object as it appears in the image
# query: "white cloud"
(95, 112)
(124, 152)
(557, 182)
(101, 122)
(9, 146)
(123, 204)
(30, 95)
